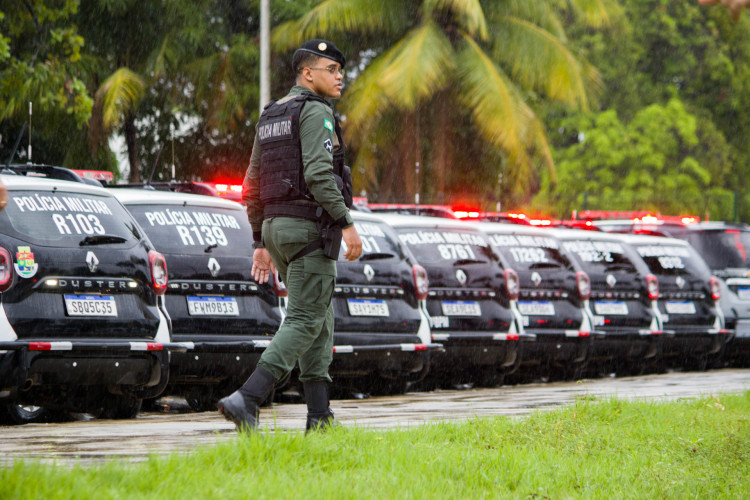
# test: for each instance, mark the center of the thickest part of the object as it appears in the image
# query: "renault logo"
(536, 278)
(92, 261)
(369, 272)
(680, 282)
(461, 276)
(213, 267)
(611, 281)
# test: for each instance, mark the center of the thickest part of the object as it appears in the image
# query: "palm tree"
(434, 68)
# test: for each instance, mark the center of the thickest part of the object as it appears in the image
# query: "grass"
(591, 449)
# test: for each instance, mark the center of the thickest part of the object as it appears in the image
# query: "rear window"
(195, 230)
(447, 246)
(670, 260)
(723, 249)
(377, 242)
(60, 218)
(527, 252)
(600, 257)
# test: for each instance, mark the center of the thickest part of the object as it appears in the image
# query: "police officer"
(295, 191)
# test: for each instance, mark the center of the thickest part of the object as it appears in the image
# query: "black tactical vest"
(283, 191)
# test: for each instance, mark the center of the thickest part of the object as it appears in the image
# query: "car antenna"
(29, 161)
(156, 162)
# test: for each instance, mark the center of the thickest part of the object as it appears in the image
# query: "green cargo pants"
(306, 335)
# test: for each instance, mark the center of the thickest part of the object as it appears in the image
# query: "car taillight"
(6, 269)
(584, 285)
(652, 286)
(715, 288)
(278, 286)
(421, 283)
(158, 271)
(512, 284)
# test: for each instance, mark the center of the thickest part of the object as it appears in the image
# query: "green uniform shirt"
(316, 127)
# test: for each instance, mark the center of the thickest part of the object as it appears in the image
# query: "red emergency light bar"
(642, 216)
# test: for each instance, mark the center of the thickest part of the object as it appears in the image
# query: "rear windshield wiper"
(542, 265)
(463, 262)
(377, 255)
(102, 239)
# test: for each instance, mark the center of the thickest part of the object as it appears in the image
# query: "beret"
(324, 48)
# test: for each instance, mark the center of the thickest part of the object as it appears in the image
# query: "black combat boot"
(243, 406)
(319, 414)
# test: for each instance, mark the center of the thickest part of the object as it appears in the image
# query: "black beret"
(324, 48)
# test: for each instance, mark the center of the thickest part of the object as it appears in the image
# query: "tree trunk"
(130, 140)
(407, 147)
(440, 149)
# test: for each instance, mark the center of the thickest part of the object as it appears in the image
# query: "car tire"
(120, 407)
(202, 400)
(17, 414)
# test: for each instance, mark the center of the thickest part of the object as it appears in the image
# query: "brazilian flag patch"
(328, 124)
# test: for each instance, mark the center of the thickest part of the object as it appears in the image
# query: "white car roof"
(582, 234)
(138, 196)
(508, 228)
(31, 182)
(358, 216)
(646, 239)
(398, 220)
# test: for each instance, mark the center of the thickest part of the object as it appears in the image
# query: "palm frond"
(539, 60)
(545, 14)
(331, 17)
(468, 14)
(595, 13)
(365, 102)
(119, 94)
(499, 112)
(419, 64)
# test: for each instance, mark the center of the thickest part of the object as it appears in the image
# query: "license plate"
(368, 307)
(611, 308)
(461, 308)
(213, 306)
(536, 308)
(90, 305)
(680, 307)
(743, 293)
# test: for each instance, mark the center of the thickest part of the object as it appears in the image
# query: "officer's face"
(325, 77)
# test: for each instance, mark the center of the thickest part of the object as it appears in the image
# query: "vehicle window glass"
(669, 260)
(195, 230)
(528, 252)
(723, 249)
(436, 246)
(600, 256)
(63, 218)
(377, 243)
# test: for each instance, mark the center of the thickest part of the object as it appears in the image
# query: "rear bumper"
(391, 356)
(140, 369)
(558, 346)
(695, 342)
(484, 350)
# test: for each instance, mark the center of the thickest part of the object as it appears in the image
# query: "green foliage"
(591, 449)
(482, 57)
(661, 52)
(654, 162)
(38, 53)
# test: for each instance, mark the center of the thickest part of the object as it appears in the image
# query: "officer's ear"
(305, 75)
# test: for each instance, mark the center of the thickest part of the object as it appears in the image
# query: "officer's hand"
(353, 243)
(262, 265)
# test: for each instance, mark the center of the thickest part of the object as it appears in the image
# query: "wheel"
(120, 407)
(16, 414)
(202, 400)
(490, 377)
